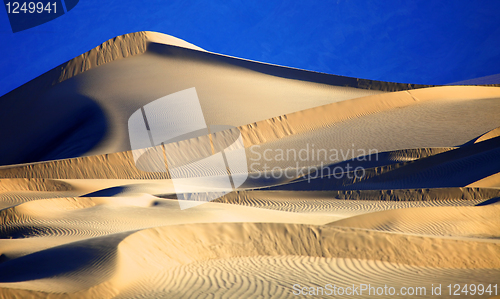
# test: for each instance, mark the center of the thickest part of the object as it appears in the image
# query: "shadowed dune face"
(51, 127)
(85, 221)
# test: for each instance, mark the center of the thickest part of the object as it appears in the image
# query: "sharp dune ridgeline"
(345, 181)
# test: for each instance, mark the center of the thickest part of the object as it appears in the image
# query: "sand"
(78, 219)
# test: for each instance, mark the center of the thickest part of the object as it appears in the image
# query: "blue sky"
(428, 42)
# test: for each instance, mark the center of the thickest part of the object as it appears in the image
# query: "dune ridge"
(119, 47)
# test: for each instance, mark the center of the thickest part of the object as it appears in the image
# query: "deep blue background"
(428, 42)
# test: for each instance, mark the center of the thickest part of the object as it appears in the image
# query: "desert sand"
(79, 219)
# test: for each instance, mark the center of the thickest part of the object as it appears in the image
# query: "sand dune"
(80, 219)
(168, 253)
(474, 222)
(108, 94)
(349, 203)
(244, 277)
(336, 126)
(454, 168)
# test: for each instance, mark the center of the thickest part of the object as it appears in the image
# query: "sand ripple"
(274, 277)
